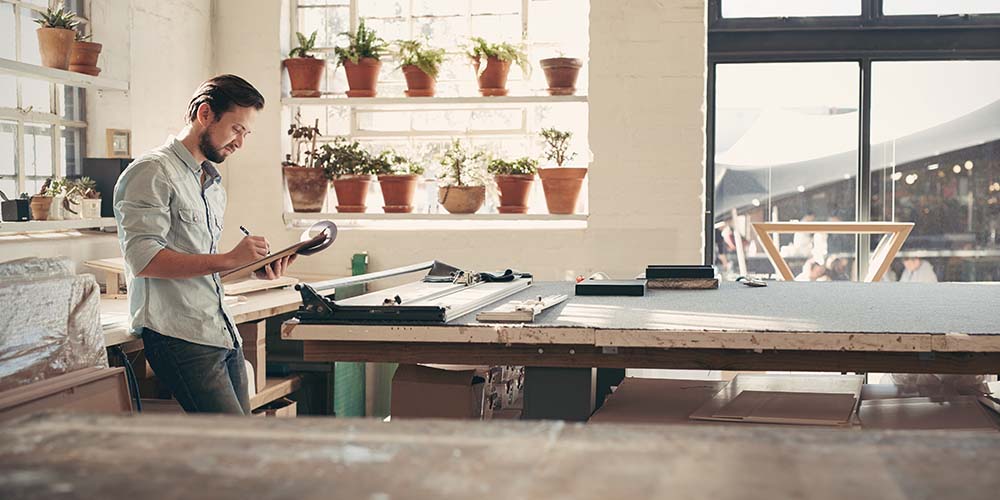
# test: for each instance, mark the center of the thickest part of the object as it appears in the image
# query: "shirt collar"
(188, 159)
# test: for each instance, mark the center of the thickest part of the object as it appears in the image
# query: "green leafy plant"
(344, 157)
(415, 53)
(389, 162)
(557, 145)
(519, 166)
(80, 37)
(363, 43)
(463, 167)
(306, 45)
(301, 134)
(481, 49)
(59, 18)
(87, 188)
(59, 186)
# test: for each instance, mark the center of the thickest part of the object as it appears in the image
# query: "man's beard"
(211, 153)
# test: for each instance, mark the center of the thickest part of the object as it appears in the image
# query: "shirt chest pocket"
(191, 234)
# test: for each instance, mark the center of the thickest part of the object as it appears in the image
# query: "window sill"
(382, 101)
(64, 77)
(405, 222)
(35, 226)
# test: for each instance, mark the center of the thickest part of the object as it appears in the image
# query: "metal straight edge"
(511, 288)
(365, 278)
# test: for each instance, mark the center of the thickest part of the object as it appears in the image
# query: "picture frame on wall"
(119, 143)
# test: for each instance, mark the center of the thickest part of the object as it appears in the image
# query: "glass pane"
(499, 6)
(932, 7)
(786, 139)
(77, 6)
(9, 187)
(71, 102)
(35, 95)
(440, 7)
(8, 91)
(384, 8)
(447, 32)
(72, 144)
(936, 162)
(790, 8)
(8, 153)
(327, 22)
(29, 39)
(7, 31)
(384, 121)
(33, 185)
(506, 28)
(390, 29)
(38, 150)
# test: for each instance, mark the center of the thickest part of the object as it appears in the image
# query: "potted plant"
(55, 37)
(361, 60)
(351, 169)
(304, 70)
(514, 180)
(54, 190)
(306, 181)
(41, 203)
(398, 177)
(492, 74)
(91, 198)
(83, 56)
(561, 73)
(463, 182)
(560, 184)
(72, 205)
(420, 65)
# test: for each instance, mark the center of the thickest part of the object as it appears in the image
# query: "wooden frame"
(881, 257)
(115, 146)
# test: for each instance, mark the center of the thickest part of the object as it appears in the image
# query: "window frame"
(871, 37)
(22, 116)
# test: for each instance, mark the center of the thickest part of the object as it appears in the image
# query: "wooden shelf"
(425, 101)
(64, 77)
(293, 216)
(275, 388)
(54, 225)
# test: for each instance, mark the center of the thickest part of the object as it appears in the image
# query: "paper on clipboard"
(318, 237)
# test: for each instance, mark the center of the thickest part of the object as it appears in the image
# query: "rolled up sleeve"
(142, 210)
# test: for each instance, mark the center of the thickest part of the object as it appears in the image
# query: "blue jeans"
(204, 379)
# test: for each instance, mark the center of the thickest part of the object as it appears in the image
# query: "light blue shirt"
(161, 202)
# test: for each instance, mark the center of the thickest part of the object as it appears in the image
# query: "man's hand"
(249, 249)
(275, 269)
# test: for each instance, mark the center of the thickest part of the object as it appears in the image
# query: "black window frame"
(864, 39)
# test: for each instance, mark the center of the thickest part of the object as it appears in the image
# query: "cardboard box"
(90, 390)
(438, 391)
(255, 350)
(281, 408)
(657, 401)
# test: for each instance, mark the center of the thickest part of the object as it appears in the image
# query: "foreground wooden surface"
(151, 457)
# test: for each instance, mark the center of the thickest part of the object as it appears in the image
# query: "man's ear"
(205, 114)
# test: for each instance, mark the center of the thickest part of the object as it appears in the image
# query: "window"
(790, 8)
(42, 125)
(937, 7)
(547, 28)
(886, 120)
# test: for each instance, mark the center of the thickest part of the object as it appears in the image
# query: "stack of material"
(50, 319)
(890, 407)
(785, 399)
(655, 401)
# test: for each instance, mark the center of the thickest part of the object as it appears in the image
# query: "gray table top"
(971, 308)
(152, 457)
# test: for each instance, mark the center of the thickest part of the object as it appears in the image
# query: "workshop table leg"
(559, 393)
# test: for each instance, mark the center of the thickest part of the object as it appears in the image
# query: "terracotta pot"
(561, 73)
(40, 207)
(307, 188)
(352, 191)
(305, 74)
(418, 82)
(362, 77)
(562, 188)
(514, 191)
(55, 45)
(83, 58)
(92, 208)
(462, 199)
(397, 191)
(493, 79)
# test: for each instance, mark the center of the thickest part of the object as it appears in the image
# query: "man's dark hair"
(222, 93)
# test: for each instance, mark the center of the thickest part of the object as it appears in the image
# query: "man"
(916, 269)
(169, 205)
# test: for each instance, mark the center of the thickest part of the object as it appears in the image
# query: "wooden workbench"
(153, 457)
(841, 326)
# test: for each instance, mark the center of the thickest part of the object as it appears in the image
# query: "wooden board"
(805, 408)
(275, 388)
(255, 285)
(96, 457)
(92, 390)
(957, 412)
(714, 409)
(683, 284)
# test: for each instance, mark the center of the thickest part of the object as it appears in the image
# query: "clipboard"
(325, 234)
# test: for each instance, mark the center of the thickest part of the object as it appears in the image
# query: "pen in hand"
(246, 232)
